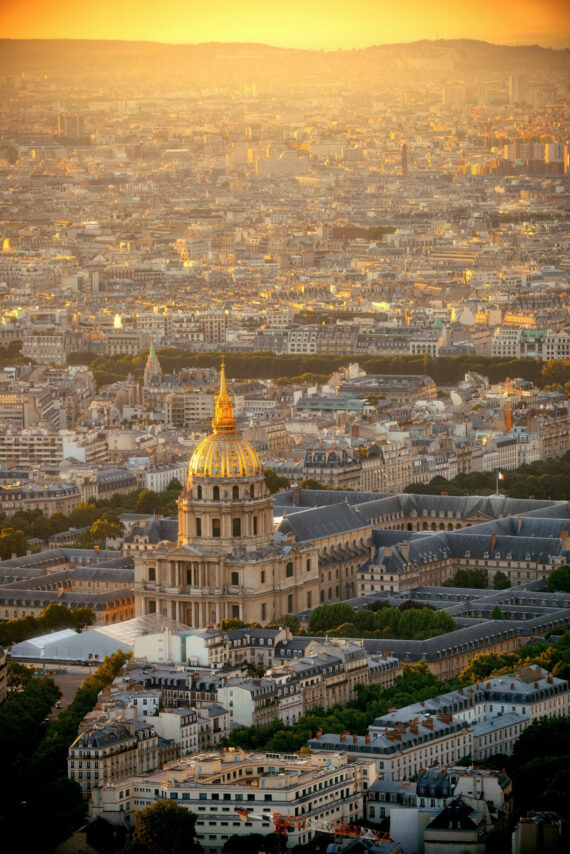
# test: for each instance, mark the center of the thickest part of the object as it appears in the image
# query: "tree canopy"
(166, 828)
(52, 617)
(559, 579)
(409, 623)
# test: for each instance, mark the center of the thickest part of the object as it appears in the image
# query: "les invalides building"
(227, 562)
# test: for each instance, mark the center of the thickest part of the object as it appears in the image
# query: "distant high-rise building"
(404, 160)
(517, 89)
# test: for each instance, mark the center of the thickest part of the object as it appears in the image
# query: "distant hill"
(225, 62)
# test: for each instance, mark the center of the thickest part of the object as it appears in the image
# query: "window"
(309, 600)
(308, 564)
(236, 527)
(251, 491)
(289, 604)
(152, 606)
(289, 570)
(199, 493)
(235, 578)
(235, 612)
(263, 576)
(216, 529)
(216, 493)
(255, 525)
(198, 527)
(263, 616)
(235, 493)
(151, 573)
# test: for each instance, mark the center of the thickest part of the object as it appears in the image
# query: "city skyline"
(316, 26)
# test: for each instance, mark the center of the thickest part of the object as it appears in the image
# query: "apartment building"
(111, 752)
(404, 749)
(213, 785)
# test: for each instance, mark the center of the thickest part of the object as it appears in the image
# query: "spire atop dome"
(224, 421)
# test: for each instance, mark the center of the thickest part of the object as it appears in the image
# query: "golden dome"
(224, 453)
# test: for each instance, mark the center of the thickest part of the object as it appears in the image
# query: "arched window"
(199, 493)
(235, 492)
(216, 493)
(236, 527)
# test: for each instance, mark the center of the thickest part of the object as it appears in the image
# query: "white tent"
(69, 645)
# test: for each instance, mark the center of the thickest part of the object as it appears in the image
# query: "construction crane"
(284, 823)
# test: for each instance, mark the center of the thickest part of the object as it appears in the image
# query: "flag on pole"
(500, 475)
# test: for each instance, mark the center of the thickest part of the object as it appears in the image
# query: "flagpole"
(496, 482)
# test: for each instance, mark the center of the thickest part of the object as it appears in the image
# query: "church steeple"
(152, 370)
(224, 421)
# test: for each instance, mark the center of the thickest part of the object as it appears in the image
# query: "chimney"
(564, 541)
(354, 739)
(366, 739)
(428, 723)
(493, 540)
(445, 719)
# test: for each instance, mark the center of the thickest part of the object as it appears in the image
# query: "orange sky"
(294, 23)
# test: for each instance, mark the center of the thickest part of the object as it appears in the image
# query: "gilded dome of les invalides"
(224, 453)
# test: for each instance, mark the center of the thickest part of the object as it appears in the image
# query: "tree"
(12, 542)
(18, 676)
(496, 614)
(83, 617)
(327, 617)
(559, 579)
(311, 483)
(148, 500)
(288, 621)
(274, 481)
(501, 581)
(474, 578)
(166, 828)
(250, 843)
(103, 529)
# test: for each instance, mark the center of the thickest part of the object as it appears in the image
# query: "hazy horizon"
(314, 26)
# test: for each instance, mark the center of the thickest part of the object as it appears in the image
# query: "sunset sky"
(324, 24)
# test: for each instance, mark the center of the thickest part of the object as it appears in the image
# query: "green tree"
(148, 501)
(250, 843)
(274, 481)
(103, 529)
(501, 581)
(166, 828)
(311, 483)
(559, 579)
(12, 542)
(18, 677)
(475, 578)
(540, 767)
(496, 614)
(288, 621)
(326, 617)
